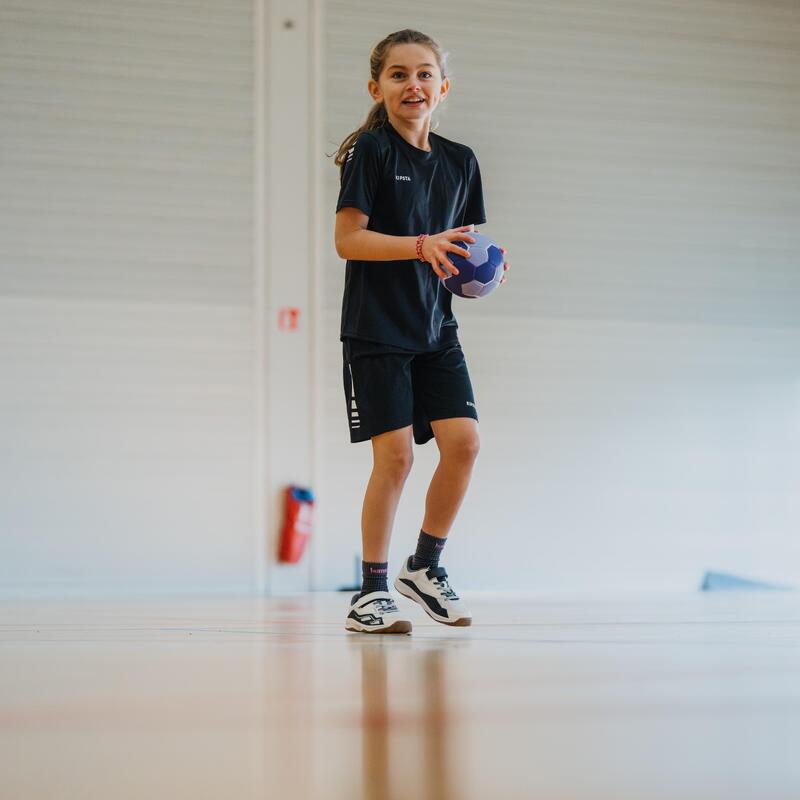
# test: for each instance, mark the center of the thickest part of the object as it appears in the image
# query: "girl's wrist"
(420, 240)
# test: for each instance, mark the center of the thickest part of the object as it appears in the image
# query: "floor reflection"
(577, 699)
(406, 726)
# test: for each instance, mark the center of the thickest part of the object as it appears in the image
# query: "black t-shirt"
(405, 191)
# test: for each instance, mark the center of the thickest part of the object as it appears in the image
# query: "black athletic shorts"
(388, 388)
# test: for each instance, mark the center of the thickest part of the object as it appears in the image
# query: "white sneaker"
(376, 612)
(428, 586)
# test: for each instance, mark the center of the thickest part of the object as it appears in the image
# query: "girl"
(407, 198)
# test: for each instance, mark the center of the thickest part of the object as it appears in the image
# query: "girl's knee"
(396, 463)
(393, 452)
(463, 450)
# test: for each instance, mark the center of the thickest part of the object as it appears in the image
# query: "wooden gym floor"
(637, 696)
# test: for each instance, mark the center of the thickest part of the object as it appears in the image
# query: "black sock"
(428, 550)
(373, 576)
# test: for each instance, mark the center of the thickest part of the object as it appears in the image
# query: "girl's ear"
(444, 90)
(374, 90)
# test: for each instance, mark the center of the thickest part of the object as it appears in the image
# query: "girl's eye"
(397, 72)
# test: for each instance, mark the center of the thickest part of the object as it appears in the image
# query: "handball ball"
(479, 274)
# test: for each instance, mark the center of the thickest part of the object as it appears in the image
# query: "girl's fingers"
(447, 266)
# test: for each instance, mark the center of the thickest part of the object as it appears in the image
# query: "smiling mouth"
(413, 102)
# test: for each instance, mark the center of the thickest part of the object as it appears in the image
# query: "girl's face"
(410, 72)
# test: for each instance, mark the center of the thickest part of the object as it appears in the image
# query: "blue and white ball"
(481, 273)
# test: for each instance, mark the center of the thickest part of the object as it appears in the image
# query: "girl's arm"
(355, 242)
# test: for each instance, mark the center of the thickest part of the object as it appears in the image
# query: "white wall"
(287, 81)
(637, 379)
(126, 296)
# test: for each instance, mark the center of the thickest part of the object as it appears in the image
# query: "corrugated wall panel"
(126, 215)
(637, 377)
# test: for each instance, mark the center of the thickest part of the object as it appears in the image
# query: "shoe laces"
(385, 604)
(439, 577)
(446, 590)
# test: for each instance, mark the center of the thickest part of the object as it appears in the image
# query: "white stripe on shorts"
(354, 417)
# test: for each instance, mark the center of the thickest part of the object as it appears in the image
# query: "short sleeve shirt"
(405, 191)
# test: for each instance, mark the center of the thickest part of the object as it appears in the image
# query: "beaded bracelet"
(420, 240)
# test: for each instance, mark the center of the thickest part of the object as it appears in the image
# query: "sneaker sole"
(400, 626)
(461, 622)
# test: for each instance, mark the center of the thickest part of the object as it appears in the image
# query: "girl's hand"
(506, 266)
(436, 246)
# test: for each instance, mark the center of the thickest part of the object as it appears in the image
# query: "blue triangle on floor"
(719, 581)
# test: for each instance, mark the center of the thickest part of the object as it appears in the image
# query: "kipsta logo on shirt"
(402, 177)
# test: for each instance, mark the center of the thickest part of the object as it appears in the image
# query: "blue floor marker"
(721, 582)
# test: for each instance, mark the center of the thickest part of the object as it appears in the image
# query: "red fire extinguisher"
(297, 523)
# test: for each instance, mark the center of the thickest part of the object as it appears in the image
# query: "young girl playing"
(408, 197)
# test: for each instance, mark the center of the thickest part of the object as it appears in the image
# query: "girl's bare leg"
(392, 459)
(458, 444)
